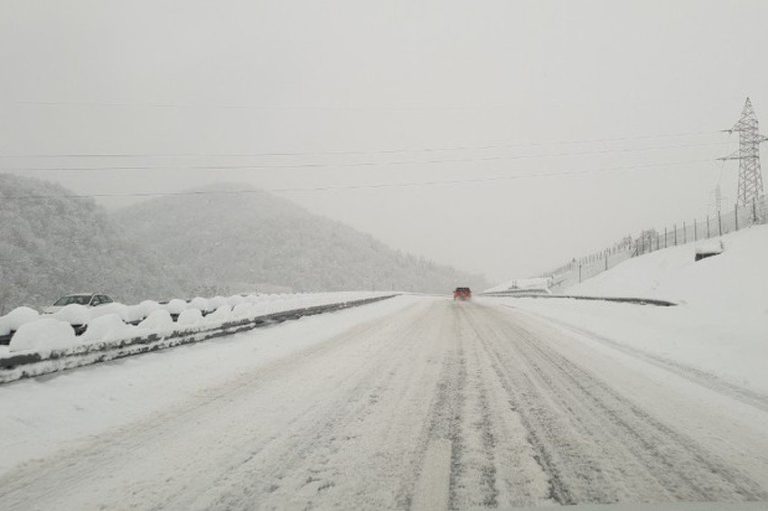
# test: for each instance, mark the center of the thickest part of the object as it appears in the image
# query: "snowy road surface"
(425, 404)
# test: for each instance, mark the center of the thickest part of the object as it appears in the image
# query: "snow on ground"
(737, 279)
(39, 414)
(728, 345)
(720, 326)
(410, 403)
(155, 318)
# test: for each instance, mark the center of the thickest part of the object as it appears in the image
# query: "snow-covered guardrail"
(619, 299)
(163, 334)
(81, 318)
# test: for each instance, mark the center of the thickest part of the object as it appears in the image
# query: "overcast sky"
(531, 132)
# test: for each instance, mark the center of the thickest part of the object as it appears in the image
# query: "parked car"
(462, 293)
(85, 299)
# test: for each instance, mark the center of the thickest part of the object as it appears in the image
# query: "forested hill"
(256, 238)
(52, 245)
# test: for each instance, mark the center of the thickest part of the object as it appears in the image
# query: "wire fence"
(651, 240)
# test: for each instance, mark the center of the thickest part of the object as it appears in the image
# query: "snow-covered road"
(425, 404)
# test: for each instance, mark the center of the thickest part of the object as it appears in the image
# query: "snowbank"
(147, 307)
(720, 326)
(735, 280)
(106, 328)
(536, 283)
(17, 317)
(176, 306)
(728, 345)
(83, 404)
(43, 335)
(159, 320)
(190, 317)
(108, 322)
(201, 304)
(74, 314)
(221, 315)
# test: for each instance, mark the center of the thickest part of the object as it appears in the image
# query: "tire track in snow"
(692, 374)
(595, 445)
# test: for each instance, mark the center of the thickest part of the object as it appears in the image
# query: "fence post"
(675, 226)
(736, 215)
(658, 241)
(708, 235)
(579, 273)
(695, 230)
(666, 238)
(754, 211)
(719, 223)
(685, 234)
(606, 262)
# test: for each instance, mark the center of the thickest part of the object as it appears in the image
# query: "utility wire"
(348, 152)
(324, 188)
(264, 166)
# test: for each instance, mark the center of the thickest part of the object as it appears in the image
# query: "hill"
(52, 245)
(237, 241)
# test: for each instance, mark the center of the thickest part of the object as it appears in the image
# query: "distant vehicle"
(85, 299)
(462, 293)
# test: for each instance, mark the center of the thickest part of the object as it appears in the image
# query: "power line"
(264, 166)
(348, 152)
(323, 188)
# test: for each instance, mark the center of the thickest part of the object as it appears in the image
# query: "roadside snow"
(74, 314)
(43, 335)
(159, 320)
(17, 317)
(727, 345)
(720, 326)
(735, 280)
(107, 328)
(94, 399)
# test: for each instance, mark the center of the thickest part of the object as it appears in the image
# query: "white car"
(85, 299)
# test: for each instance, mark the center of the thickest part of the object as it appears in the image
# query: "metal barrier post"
(719, 223)
(754, 211)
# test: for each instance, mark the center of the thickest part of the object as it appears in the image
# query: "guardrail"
(27, 365)
(619, 299)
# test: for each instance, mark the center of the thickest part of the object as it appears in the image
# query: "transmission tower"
(750, 175)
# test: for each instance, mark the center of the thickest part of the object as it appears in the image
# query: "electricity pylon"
(750, 176)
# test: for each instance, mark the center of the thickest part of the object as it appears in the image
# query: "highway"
(432, 405)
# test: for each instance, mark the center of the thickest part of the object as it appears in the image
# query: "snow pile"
(532, 284)
(735, 280)
(17, 317)
(74, 314)
(146, 308)
(176, 306)
(43, 335)
(189, 317)
(159, 320)
(220, 315)
(201, 304)
(106, 328)
(109, 322)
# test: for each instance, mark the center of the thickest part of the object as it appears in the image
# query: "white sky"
(200, 78)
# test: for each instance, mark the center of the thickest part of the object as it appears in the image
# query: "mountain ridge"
(277, 242)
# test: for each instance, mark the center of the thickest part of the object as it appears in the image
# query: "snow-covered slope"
(737, 279)
(719, 330)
